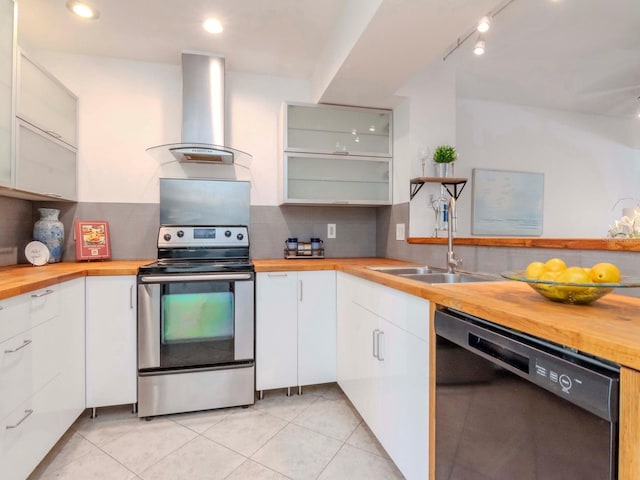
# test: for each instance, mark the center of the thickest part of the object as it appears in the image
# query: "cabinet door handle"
(131, 297)
(340, 152)
(381, 346)
(277, 275)
(27, 413)
(54, 134)
(45, 293)
(300, 290)
(24, 344)
(374, 348)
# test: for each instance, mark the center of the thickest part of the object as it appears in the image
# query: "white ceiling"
(579, 55)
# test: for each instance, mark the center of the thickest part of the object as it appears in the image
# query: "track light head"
(479, 47)
(484, 24)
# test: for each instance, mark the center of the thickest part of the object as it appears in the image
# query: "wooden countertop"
(609, 327)
(18, 279)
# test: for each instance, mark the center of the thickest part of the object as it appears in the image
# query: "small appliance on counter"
(293, 249)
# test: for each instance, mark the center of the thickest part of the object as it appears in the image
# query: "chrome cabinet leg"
(299, 389)
(134, 408)
(94, 413)
(288, 391)
(261, 395)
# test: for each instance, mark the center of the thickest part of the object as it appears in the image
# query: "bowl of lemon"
(558, 282)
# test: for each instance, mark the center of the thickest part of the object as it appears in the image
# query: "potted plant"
(444, 156)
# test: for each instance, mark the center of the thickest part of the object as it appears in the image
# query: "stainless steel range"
(196, 316)
(196, 321)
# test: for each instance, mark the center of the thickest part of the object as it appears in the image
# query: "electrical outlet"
(331, 230)
(399, 231)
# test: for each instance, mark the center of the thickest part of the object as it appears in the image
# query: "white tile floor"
(317, 435)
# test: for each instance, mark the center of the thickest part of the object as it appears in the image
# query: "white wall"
(128, 106)
(430, 108)
(589, 162)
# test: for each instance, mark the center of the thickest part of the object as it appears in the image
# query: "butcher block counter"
(18, 279)
(610, 327)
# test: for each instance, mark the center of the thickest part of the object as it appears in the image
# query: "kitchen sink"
(403, 271)
(435, 275)
(451, 277)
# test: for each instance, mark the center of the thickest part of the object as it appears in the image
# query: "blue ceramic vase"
(50, 231)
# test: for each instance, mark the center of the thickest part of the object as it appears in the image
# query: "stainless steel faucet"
(452, 259)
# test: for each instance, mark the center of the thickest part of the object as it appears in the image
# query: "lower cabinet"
(295, 329)
(383, 367)
(111, 340)
(41, 373)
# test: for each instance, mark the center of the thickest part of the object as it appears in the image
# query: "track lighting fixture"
(479, 47)
(484, 24)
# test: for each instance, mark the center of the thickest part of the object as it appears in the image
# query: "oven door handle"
(195, 278)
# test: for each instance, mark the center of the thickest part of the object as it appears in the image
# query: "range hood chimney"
(203, 99)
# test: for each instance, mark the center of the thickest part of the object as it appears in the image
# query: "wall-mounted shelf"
(418, 182)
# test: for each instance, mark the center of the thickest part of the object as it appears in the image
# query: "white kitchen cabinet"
(111, 340)
(335, 155)
(44, 102)
(8, 23)
(41, 373)
(45, 137)
(295, 329)
(332, 179)
(336, 129)
(45, 165)
(383, 367)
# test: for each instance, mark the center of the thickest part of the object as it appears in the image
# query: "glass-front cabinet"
(7, 49)
(336, 155)
(338, 130)
(339, 180)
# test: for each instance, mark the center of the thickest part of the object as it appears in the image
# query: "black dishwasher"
(512, 406)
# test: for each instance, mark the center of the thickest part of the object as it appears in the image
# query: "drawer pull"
(24, 344)
(27, 414)
(277, 275)
(131, 297)
(38, 295)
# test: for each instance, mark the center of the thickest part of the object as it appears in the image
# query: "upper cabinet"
(8, 24)
(46, 135)
(46, 103)
(335, 155)
(338, 130)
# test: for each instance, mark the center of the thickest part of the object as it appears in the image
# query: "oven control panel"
(189, 236)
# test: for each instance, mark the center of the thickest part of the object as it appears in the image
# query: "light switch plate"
(399, 231)
(331, 230)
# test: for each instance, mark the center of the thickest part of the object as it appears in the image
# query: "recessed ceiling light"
(83, 9)
(212, 25)
(479, 48)
(372, 128)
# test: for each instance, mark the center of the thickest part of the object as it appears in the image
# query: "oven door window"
(197, 324)
(197, 317)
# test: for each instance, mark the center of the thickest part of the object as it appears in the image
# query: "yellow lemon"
(573, 275)
(604, 273)
(534, 270)
(555, 265)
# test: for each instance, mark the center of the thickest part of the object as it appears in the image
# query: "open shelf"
(454, 182)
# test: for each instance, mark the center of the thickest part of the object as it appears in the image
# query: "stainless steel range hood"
(203, 101)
